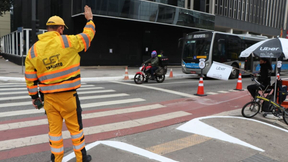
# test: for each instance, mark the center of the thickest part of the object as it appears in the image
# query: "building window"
(235, 9)
(225, 8)
(230, 9)
(216, 7)
(243, 10)
(246, 10)
(221, 7)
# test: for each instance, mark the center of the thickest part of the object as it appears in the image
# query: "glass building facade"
(128, 30)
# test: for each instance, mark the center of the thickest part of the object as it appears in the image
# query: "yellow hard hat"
(55, 20)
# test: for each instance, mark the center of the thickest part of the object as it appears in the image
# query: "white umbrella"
(268, 48)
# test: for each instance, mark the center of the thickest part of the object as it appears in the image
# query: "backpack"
(266, 105)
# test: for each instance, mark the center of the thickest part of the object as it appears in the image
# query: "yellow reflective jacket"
(53, 62)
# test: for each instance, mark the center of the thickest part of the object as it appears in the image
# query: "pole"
(275, 87)
(33, 21)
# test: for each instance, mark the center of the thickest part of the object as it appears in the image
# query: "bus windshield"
(194, 48)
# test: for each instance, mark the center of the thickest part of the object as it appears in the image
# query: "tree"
(5, 5)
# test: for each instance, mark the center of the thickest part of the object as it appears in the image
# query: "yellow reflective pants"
(59, 106)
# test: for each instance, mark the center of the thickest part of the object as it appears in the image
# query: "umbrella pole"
(275, 87)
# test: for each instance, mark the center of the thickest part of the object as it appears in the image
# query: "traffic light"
(37, 25)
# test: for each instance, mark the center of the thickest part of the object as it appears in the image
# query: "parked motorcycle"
(144, 74)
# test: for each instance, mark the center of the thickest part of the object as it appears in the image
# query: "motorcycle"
(144, 74)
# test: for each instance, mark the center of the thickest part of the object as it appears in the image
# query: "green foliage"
(5, 5)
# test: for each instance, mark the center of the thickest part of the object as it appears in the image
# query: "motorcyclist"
(153, 62)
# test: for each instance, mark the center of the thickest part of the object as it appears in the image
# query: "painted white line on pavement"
(31, 123)
(205, 101)
(84, 106)
(28, 97)
(26, 92)
(198, 127)
(43, 138)
(158, 89)
(223, 91)
(125, 147)
(211, 93)
(30, 102)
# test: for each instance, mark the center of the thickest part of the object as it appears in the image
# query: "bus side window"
(222, 50)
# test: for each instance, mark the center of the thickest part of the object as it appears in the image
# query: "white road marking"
(198, 127)
(84, 106)
(28, 97)
(159, 89)
(43, 138)
(205, 101)
(125, 147)
(223, 92)
(30, 102)
(211, 93)
(31, 123)
(87, 92)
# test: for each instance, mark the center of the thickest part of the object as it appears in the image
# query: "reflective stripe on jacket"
(53, 62)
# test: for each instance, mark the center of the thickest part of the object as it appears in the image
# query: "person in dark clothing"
(264, 78)
(154, 62)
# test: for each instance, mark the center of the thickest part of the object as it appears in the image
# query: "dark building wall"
(129, 39)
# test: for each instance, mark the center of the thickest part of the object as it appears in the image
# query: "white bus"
(217, 46)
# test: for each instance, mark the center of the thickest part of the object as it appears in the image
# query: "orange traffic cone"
(278, 76)
(239, 83)
(171, 74)
(126, 74)
(200, 91)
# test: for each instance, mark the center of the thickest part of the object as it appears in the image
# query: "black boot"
(88, 158)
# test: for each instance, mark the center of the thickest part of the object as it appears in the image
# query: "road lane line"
(43, 138)
(158, 89)
(31, 123)
(84, 106)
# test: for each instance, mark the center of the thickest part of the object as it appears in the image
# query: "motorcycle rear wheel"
(160, 78)
(138, 78)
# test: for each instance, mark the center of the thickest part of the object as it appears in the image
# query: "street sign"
(279, 64)
(202, 64)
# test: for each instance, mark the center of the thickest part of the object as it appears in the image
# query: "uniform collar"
(48, 35)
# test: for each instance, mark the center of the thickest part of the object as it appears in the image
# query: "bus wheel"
(234, 73)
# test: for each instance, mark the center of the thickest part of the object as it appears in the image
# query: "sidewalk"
(13, 72)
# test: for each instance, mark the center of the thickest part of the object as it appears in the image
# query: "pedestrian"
(264, 78)
(53, 65)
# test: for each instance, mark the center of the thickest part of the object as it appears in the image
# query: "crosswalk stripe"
(81, 98)
(95, 104)
(24, 85)
(28, 97)
(31, 123)
(26, 92)
(43, 138)
(25, 89)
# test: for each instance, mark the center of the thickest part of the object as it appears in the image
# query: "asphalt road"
(160, 112)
